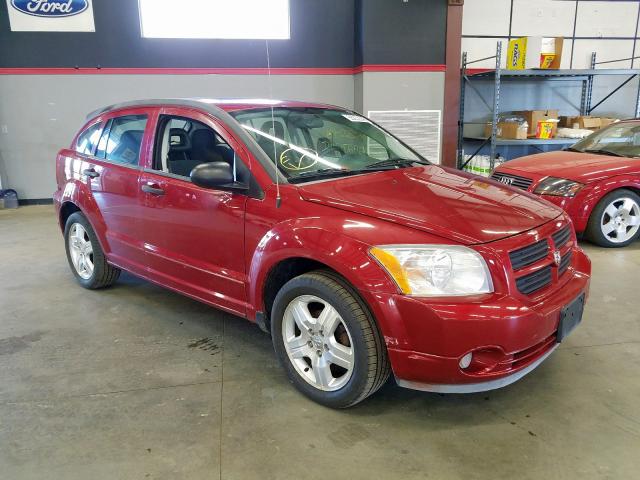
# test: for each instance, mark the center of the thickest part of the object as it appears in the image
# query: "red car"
(356, 254)
(596, 181)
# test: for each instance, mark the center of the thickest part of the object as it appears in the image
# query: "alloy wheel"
(81, 251)
(318, 342)
(620, 220)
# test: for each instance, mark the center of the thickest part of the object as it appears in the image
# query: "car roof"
(226, 104)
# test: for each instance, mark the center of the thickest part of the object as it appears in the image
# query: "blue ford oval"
(50, 8)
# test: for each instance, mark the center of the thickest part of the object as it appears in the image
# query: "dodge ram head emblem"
(557, 258)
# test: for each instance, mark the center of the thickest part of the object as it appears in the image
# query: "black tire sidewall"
(350, 392)
(97, 251)
(594, 231)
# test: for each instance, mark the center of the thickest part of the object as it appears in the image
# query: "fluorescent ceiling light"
(234, 19)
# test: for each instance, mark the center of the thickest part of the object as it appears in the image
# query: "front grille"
(536, 257)
(514, 180)
(529, 254)
(561, 236)
(534, 281)
(564, 263)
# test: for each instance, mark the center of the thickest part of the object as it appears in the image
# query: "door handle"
(90, 172)
(153, 189)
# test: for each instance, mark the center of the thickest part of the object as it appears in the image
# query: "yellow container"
(534, 52)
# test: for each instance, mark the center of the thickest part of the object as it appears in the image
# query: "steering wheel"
(328, 151)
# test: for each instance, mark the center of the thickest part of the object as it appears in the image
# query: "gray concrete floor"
(138, 382)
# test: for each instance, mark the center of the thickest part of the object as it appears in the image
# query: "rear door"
(114, 176)
(194, 237)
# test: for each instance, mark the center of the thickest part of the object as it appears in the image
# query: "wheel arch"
(275, 262)
(78, 198)
(597, 192)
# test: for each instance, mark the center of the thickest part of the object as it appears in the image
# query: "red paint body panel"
(219, 247)
(600, 175)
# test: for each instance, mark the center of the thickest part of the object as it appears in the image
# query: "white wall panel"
(550, 18)
(483, 47)
(605, 50)
(486, 17)
(606, 19)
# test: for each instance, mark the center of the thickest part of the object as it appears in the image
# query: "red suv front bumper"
(509, 334)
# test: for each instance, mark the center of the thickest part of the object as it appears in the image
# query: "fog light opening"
(466, 360)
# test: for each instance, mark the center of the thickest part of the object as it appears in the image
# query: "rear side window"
(121, 140)
(88, 139)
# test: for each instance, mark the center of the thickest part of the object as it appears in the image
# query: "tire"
(615, 221)
(323, 300)
(92, 270)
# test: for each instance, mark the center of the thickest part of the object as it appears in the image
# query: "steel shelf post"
(496, 105)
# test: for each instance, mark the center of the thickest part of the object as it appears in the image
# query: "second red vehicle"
(360, 257)
(597, 182)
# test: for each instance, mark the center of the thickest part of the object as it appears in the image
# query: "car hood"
(442, 201)
(581, 167)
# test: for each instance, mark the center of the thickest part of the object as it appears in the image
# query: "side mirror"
(217, 175)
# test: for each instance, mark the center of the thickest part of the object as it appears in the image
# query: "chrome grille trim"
(512, 180)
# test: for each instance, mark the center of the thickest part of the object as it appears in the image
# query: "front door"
(194, 237)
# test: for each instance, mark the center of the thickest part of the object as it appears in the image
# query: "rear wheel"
(86, 258)
(615, 221)
(327, 340)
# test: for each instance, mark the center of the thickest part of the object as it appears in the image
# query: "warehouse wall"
(335, 55)
(609, 28)
(39, 114)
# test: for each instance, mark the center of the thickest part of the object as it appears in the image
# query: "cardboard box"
(567, 121)
(586, 121)
(507, 130)
(606, 121)
(534, 116)
(534, 52)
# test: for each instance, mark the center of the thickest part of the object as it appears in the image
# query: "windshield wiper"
(321, 173)
(393, 163)
(603, 151)
(571, 149)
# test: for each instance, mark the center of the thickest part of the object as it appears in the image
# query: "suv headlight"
(435, 270)
(559, 187)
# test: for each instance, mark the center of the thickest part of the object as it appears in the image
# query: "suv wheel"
(86, 259)
(327, 340)
(615, 221)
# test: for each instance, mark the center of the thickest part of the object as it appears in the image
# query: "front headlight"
(435, 270)
(559, 187)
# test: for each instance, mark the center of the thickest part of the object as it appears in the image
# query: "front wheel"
(86, 258)
(327, 340)
(615, 221)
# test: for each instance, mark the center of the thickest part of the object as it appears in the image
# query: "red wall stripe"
(222, 71)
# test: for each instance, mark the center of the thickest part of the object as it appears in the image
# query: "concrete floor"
(139, 382)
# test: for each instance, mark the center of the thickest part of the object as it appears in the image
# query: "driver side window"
(183, 143)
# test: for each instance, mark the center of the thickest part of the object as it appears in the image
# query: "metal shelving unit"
(498, 75)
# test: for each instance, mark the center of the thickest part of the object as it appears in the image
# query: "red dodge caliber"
(360, 257)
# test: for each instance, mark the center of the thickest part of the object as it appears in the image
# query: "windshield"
(307, 143)
(620, 139)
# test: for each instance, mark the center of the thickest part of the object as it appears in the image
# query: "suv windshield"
(309, 143)
(620, 139)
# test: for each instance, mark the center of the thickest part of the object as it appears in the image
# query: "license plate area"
(570, 317)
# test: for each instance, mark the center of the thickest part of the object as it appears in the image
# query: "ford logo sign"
(50, 8)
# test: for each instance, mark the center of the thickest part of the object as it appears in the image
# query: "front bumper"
(516, 334)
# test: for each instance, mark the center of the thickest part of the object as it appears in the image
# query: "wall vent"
(420, 129)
